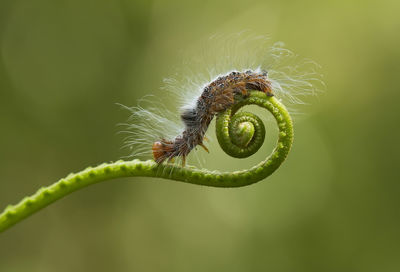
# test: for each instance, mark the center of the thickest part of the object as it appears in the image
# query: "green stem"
(228, 141)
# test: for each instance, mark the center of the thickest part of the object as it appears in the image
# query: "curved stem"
(107, 171)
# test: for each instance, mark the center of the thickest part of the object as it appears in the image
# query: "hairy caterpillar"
(216, 97)
(214, 80)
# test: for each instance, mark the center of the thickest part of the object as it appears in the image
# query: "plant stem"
(107, 171)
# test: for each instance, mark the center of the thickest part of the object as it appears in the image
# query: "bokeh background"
(333, 206)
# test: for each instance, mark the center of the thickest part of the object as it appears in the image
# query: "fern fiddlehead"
(239, 134)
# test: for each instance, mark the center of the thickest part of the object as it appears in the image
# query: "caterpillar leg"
(171, 160)
(183, 161)
(205, 148)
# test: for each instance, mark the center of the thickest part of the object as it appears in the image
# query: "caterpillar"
(212, 81)
(216, 97)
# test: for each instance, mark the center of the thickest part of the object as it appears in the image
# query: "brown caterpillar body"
(218, 96)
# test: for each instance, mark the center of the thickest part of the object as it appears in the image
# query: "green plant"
(240, 135)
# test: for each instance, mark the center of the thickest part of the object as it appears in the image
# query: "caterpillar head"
(159, 152)
(163, 150)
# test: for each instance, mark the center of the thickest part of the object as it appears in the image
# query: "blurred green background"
(333, 206)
